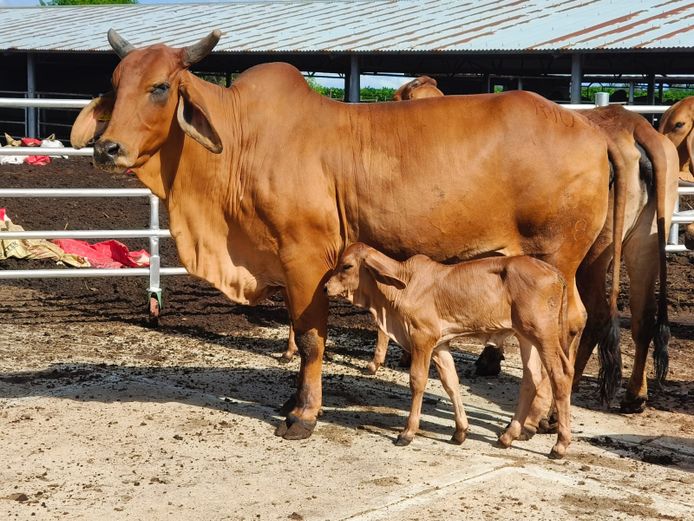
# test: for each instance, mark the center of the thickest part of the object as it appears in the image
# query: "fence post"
(602, 99)
(675, 227)
(30, 112)
(154, 290)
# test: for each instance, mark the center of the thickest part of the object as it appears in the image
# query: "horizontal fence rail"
(153, 232)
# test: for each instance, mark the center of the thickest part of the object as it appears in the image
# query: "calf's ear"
(92, 120)
(194, 117)
(384, 269)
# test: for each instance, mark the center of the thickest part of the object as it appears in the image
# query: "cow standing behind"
(650, 171)
(423, 305)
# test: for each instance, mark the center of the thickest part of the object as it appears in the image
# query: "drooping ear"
(92, 120)
(384, 269)
(194, 117)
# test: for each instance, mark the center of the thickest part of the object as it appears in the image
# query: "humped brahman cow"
(266, 183)
(423, 305)
(651, 177)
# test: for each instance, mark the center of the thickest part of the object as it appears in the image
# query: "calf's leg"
(532, 378)
(445, 365)
(379, 353)
(419, 374)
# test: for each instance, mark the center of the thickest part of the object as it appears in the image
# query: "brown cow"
(267, 181)
(651, 177)
(419, 88)
(677, 124)
(423, 305)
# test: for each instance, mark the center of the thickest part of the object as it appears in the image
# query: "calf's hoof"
(557, 452)
(459, 437)
(402, 441)
(285, 358)
(489, 362)
(371, 368)
(294, 428)
(631, 404)
(548, 425)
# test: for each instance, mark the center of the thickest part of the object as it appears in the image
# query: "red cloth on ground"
(106, 254)
(34, 160)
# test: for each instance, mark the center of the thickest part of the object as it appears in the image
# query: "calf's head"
(357, 270)
(149, 95)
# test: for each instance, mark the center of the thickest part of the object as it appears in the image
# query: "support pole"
(631, 93)
(576, 76)
(154, 290)
(487, 79)
(30, 112)
(519, 84)
(352, 83)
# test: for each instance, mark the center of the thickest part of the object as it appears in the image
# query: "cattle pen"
(155, 271)
(102, 417)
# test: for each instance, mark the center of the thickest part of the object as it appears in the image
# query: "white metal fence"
(153, 232)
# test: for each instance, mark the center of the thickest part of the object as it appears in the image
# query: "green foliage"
(367, 94)
(46, 3)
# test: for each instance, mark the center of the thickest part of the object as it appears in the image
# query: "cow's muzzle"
(106, 153)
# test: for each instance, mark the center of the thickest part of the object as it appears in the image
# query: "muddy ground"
(103, 417)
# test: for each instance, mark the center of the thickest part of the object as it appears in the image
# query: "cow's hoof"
(402, 441)
(459, 437)
(633, 404)
(288, 406)
(295, 429)
(489, 361)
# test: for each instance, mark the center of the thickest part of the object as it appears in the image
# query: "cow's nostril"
(325, 289)
(112, 149)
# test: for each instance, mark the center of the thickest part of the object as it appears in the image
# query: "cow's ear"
(92, 120)
(384, 269)
(194, 118)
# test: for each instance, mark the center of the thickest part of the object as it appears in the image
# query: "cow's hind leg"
(641, 259)
(445, 366)
(530, 383)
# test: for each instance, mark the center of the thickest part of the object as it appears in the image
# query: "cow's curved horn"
(119, 44)
(196, 52)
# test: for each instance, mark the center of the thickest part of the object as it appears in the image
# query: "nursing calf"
(422, 305)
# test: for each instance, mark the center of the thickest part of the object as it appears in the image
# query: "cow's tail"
(661, 335)
(608, 347)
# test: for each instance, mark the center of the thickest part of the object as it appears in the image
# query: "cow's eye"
(160, 89)
(679, 124)
(347, 267)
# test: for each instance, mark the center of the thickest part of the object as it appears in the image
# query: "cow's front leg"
(291, 343)
(308, 307)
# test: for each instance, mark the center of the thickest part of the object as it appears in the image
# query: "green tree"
(46, 3)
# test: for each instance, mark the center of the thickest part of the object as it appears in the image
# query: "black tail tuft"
(610, 355)
(661, 358)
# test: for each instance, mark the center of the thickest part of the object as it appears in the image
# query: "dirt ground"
(103, 417)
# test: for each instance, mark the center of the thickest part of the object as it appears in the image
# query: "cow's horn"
(119, 44)
(196, 52)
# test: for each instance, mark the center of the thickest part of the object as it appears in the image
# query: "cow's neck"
(383, 303)
(200, 192)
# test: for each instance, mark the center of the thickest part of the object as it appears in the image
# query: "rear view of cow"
(422, 305)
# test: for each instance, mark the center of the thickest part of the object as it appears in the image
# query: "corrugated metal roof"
(363, 26)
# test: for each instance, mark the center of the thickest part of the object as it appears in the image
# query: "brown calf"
(422, 305)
